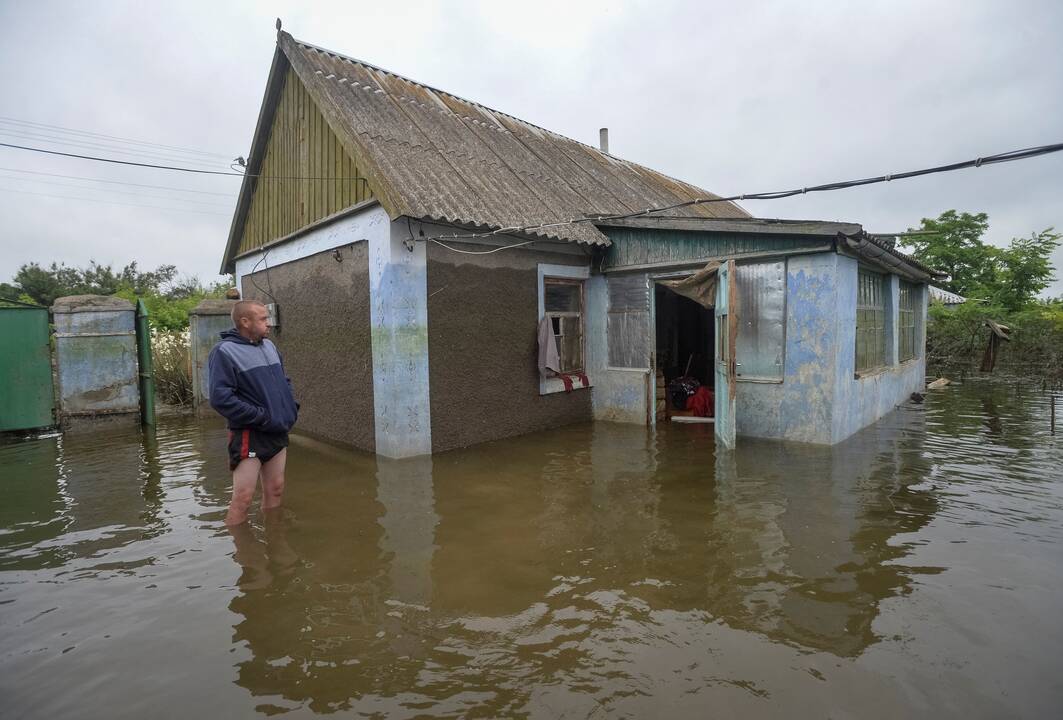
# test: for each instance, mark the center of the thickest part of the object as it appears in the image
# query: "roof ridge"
(348, 58)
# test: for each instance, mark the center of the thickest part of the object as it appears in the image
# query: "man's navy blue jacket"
(248, 385)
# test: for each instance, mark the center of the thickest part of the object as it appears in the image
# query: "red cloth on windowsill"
(566, 378)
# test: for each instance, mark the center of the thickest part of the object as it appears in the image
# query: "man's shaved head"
(243, 309)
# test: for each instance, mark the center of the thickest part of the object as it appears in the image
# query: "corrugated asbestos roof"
(434, 156)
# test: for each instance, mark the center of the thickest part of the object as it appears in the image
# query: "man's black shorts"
(254, 444)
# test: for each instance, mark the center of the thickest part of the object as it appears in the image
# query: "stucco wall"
(398, 281)
(482, 320)
(325, 340)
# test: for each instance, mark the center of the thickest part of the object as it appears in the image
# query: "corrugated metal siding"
(762, 319)
(636, 247)
(301, 145)
(628, 325)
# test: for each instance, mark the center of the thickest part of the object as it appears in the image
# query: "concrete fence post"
(205, 322)
(96, 359)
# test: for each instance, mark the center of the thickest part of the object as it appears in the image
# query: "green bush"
(957, 338)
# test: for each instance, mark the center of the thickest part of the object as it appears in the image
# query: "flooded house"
(407, 331)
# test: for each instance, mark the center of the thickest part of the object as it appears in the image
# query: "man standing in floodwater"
(250, 390)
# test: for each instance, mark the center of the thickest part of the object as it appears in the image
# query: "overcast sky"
(733, 97)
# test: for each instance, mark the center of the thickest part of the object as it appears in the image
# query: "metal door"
(26, 397)
(726, 339)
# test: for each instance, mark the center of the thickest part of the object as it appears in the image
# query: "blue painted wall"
(861, 401)
(820, 400)
(399, 317)
(800, 407)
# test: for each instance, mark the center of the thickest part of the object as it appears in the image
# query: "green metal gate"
(26, 396)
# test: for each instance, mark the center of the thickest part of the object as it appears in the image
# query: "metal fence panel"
(25, 369)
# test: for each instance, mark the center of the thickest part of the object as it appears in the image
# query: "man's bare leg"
(273, 481)
(251, 556)
(245, 479)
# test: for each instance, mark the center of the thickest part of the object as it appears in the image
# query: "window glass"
(560, 296)
(870, 321)
(907, 320)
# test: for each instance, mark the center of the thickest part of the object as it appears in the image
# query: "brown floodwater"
(592, 571)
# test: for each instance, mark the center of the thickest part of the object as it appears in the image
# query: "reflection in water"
(521, 559)
(593, 570)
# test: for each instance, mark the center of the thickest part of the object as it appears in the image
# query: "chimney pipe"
(603, 140)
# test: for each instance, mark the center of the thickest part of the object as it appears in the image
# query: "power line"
(112, 202)
(93, 146)
(10, 120)
(776, 195)
(175, 168)
(120, 192)
(120, 162)
(117, 182)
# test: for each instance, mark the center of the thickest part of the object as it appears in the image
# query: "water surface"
(592, 571)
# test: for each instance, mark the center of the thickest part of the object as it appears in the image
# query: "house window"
(907, 323)
(870, 321)
(563, 304)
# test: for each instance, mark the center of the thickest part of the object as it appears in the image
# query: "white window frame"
(551, 385)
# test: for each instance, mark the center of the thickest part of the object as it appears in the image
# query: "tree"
(1008, 278)
(1024, 269)
(954, 246)
(44, 285)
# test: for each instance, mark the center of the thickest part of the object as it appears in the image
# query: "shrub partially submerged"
(173, 366)
(957, 337)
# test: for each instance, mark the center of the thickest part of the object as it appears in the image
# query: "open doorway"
(685, 357)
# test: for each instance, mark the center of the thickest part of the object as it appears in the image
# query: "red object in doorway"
(702, 403)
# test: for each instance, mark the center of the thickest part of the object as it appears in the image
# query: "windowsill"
(551, 385)
(903, 365)
(863, 374)
(764, 381)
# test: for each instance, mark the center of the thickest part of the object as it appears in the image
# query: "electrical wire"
(116, 182)
(478, 252)
(176, 168)
(86, 133)
(164, 155)
(131, 193)
(1009, 156)
(251, 276)
(113, 202)
(775, 195)
(120, 162)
